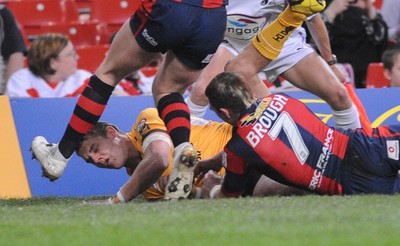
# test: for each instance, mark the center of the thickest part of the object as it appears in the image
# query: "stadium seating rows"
(87, 22)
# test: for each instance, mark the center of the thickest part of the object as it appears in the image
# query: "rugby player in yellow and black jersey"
(146, 153)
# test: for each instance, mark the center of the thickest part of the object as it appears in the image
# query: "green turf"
(308, 220)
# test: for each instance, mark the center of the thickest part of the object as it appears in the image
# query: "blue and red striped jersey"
(282, 138)
(200, 3)
(205, 3)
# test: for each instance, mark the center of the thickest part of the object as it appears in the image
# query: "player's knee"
(239, 67)
(339, 98)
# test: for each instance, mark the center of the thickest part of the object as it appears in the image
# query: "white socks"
(196, 110)
(347, 119)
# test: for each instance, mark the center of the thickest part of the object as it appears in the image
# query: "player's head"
(391, 64)
(228, 96)
(105, 146)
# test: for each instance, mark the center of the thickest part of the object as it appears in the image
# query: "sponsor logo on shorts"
(149, 38)
(207, 59)
(392, 147)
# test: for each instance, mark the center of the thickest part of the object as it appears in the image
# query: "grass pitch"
(306, 220)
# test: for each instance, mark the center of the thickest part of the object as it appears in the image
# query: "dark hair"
(389, 55)
(98, 130)
(227, 90)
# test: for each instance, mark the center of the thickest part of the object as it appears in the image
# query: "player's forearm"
(145, 175)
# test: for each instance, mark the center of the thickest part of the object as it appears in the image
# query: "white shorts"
(294, 50)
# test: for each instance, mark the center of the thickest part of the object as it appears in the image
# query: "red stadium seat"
(378, 3)
(31, 14)
(90, 57)
(81, 34)
(113, 13)
(375, 77)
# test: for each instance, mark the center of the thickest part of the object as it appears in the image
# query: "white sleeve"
(156, 136)
(14, 88)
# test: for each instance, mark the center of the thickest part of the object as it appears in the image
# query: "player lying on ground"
(146, 153)
(280, 137)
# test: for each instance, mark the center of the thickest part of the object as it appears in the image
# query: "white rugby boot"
(52, 161)
(181, 178)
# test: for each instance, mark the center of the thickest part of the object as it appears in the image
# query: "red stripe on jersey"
(177, 122)
(212, 4)
(385, 132)
(306, 119)
(339, 144)
(147, 6)
(204, 3)
(80, 125)
(292, 170)
(312, 124)
(174, 107)
(95, 108)
(235, 164)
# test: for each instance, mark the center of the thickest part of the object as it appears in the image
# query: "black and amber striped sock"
(176, 116)
(87, 112)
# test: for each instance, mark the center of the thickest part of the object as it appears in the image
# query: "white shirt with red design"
(24, 83)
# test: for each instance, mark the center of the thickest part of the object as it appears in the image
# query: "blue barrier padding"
(49, 118)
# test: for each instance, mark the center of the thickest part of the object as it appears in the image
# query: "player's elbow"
(160, 160)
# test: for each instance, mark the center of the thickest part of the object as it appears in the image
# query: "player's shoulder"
(22, 76)
(148, 120)
(148, 113)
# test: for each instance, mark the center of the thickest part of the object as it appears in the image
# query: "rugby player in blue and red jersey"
(280, 137)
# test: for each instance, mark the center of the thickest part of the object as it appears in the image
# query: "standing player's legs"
(124, 56)
(322, 82)
(198, 102)
(168, 88)
(195, 43)
(268, 43)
